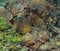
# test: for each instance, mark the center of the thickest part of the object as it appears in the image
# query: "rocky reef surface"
(29, 25)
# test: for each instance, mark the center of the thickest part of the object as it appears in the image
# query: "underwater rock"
(36, 21)
(28, 40)
(47, 46)
(5, 14)
(57, 49)
(43, 35)
(58, 36)
(42, 2)
(15, 7)
(57, 40)
(22, 25)
(43, 14)
(58, 23)
(34, 31)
